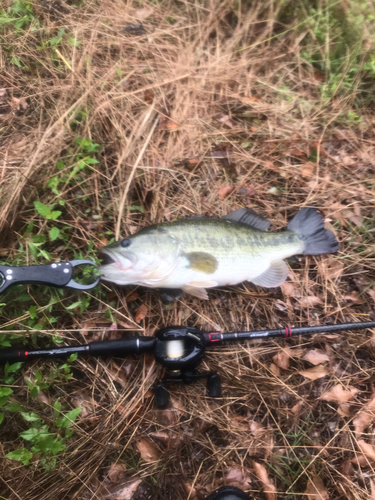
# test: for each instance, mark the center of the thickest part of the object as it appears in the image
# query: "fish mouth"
(113, 262)
(106, 259)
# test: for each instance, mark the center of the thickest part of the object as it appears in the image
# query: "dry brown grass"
(213, 94)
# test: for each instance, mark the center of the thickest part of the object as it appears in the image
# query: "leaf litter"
(174, 58)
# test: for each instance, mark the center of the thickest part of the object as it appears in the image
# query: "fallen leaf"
(222, 152)
(281, 359)
(83, 399)
(308, 169)
(315, 489)
(123, 492)
(316, 356)
(143, 14)
(225, 191)
(296, 408)
(116, 472)
(190, 490)
(344, 410)
(372, 484)
(288, 289)
(368, 454)
(262, 475)
(256, 428)
(319, 75)
(275, 370)
(340, 394)
(330, 268)
(226, 120)
(141, 313)
(238, 478)
(364, 417)
(318, 371)
(372, 294)
(117, 375)
(124, 324)
(43, 397)
(251, 99)
(166, 123)
(148, 450)
(310, 301)
(354, 297)
(131, 297)
(19, 104)
(346, 469)
(244, 191)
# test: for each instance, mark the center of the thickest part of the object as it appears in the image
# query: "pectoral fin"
(202, 261)
(198, 288)
(274, 276)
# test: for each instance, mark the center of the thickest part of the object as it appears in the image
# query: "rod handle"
(121, 347)
(12, 355)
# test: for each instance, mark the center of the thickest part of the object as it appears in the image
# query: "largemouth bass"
(197, 253)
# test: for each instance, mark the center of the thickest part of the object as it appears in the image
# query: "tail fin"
(309, 226)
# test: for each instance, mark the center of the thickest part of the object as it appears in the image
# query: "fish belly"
(233, 267)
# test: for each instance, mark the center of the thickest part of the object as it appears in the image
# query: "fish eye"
(125, 243)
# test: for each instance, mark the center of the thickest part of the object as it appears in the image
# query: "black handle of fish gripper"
(57, 274)
(122, 347)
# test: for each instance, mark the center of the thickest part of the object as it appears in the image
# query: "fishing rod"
(179, 349)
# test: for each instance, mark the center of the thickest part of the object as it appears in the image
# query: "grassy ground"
(117, 114)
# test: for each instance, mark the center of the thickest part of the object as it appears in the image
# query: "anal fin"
(274, 276)
(201, 293)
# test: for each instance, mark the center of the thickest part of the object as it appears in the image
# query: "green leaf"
(136, 208)
(32, 312)
(38, 376)
(54, 233)
(55, 214)
(34, 391)
(73, 306)
(68, 433)
(57, 446)
(30, 417)
(5, 391)
(3, 400)
(29, 228)
(92, 161)
(29, 434)
(68, 418)
(13, 407)
(1, 417)
(57, 408)
(22, 455)
(13, 367)
(73, 357)
(42, 209)
(39, 239)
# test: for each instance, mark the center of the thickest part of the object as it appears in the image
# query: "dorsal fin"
(250, 217)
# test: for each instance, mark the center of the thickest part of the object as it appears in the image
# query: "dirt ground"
(117, 114)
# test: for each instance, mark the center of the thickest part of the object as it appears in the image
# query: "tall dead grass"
(206, 107)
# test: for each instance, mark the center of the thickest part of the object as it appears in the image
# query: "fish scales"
(199, 253)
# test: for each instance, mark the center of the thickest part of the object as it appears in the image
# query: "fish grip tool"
(57, 274)
(179, 349)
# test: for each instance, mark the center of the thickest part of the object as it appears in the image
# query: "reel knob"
(228, 493)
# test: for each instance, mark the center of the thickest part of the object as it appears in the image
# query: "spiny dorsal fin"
(250, 217)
